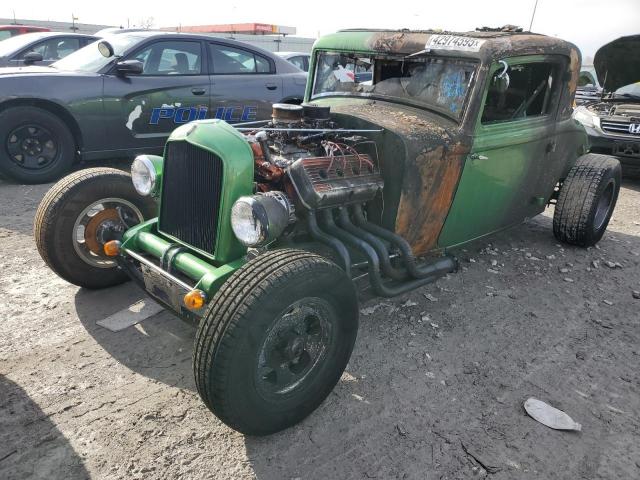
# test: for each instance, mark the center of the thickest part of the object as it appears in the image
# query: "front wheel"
(587, 199)
(275, 340)
(78, 215)
(36, 146)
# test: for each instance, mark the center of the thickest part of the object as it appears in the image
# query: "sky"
(587, 23)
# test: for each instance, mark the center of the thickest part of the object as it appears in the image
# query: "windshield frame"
(459, 119)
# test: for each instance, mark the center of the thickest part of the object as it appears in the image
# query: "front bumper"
(167, 271)
(626, 148)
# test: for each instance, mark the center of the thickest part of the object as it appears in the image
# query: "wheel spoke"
(30, 161)
(31, 146)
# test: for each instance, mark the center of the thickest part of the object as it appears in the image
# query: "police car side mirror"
(32, 57)
(129, 67)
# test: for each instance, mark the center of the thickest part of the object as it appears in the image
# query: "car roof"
(292, 54)
(283, 65)
(490, 44)
(41, 35)
(19, 26)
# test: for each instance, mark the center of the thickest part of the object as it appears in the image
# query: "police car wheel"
(78, 215)
(35, 145)
(275, 340)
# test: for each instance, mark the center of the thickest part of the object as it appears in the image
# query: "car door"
(244, 83)
(143, 109)
(51, 49)
(513, 139)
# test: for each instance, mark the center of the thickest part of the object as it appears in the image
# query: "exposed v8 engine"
(302, 152)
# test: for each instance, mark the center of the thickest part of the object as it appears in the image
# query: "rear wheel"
(275, 340)
(587, 199)
(35, 145)
(78, 215)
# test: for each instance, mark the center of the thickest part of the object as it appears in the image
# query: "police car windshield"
(89, 58)
(437, 83)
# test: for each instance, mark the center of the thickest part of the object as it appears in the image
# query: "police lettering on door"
(180, 115)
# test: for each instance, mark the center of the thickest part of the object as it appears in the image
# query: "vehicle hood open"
(619, 62)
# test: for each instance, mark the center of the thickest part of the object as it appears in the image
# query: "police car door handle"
(477, 156)
(271, 86)
(198, 91)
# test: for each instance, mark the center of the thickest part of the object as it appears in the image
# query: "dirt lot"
(434, 389)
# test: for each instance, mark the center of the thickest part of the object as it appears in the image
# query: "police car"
(123, 95)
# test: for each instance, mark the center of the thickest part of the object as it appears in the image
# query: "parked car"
(299, 59)
(612, 119)
(41, 49)
(589, 88)
(117, 31)
(262, 229)
(127, 99)
(8, 31)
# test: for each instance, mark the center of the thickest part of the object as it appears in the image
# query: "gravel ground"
(434, 389)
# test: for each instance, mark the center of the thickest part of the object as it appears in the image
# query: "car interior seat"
(182, 63)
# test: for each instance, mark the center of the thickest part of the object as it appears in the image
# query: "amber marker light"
(112, 248)
(195, 299)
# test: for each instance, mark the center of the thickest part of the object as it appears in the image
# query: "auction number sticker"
(453, 42)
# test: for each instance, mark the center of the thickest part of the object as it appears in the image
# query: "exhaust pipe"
(430, 272)
(381, 249)
(330, 241)
(400, 243)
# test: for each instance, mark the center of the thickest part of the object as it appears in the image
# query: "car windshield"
(89, 58)
(436, 83)
(13, 44)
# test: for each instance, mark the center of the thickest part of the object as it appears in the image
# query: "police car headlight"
(143, 175)
(260, 219)
(586, 117)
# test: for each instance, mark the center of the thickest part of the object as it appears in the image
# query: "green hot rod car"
(410, 143)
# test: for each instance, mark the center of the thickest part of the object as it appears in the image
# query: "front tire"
(36, 146)
(75, 217)
(275, 340)
(587, 199)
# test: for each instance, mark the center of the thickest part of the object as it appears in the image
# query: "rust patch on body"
(428, 195)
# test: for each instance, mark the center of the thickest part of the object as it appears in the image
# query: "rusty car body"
(410, 144)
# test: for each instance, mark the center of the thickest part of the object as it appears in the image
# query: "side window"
(229, 60)
(171, 58)
(67, 46)
(527, 93)
(298, 62)
(54, 49)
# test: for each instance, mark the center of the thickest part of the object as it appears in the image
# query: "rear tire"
(587, 199)
(36, 146)
(60, 216)
(275, 340)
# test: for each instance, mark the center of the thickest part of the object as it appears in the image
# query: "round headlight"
(260, 219)
(143, 175)
(248, 225)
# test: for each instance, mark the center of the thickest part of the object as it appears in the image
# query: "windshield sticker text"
(453, 42)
